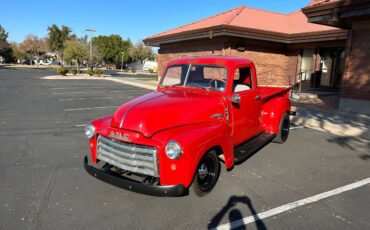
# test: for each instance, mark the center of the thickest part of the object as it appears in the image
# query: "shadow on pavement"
(234, 213)
(365, 157)
(351, 143)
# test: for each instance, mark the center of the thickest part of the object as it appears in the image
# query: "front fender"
(100, 125)
(195, 141)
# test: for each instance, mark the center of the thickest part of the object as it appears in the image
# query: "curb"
(103, 77)
(136, 84)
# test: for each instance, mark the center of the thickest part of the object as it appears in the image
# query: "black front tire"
(284, 129)
(207, 174)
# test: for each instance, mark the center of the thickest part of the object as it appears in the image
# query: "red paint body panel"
(186, 116)
(144, 116)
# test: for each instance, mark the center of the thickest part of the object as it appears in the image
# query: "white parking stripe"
(81, 125)
(92, 98)
(111, 91)
(293, 205)
(296, 127)
(79, 109)
(88, 87)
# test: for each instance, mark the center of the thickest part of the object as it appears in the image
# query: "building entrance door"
(331, 67)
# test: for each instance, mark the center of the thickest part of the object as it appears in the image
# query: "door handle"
(258, 97)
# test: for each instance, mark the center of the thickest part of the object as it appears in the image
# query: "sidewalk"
(335, 122)
(145, 83)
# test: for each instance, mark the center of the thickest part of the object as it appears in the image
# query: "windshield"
(196, 76)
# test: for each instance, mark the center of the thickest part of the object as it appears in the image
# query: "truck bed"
(268, 92)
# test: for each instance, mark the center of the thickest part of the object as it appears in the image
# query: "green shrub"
(98, 72)
(62, 71)
(151, 70)
(89, 72)
(73, 71)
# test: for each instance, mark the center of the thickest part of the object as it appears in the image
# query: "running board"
(246, 150)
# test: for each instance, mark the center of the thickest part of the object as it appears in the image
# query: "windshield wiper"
(200, 86)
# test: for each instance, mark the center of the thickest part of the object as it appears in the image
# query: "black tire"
(206, 174)
(284, 129)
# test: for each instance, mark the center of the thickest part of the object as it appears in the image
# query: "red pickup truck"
(206, 110)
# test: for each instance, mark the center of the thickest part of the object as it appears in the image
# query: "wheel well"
(219, 152)
(217, 148)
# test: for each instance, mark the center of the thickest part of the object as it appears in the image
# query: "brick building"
(281, 45)
(353, 15)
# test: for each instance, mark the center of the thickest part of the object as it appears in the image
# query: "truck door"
(246, 113)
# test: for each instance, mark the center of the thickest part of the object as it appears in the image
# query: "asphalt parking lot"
(43, 184)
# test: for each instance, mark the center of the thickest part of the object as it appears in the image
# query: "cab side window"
(242, 80)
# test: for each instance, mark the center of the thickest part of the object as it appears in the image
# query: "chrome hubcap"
(202, 171)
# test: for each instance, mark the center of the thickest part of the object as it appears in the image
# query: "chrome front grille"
(131, 157)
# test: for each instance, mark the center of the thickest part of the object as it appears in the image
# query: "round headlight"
(173, 150)
(89, 131)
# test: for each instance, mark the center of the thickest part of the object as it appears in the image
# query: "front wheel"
(207, 174)
(284, 128)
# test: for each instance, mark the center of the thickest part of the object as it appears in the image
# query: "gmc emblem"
(119, 136)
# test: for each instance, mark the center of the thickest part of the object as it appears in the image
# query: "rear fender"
(195, 141)
(272, 112)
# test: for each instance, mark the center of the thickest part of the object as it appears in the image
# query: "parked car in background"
(48, 62)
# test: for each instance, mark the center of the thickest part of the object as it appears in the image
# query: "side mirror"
(235, 98)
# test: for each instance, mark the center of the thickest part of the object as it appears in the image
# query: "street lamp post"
(91, 31)
(123, 54)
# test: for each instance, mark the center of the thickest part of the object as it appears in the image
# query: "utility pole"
(91, 31)
(123, 54)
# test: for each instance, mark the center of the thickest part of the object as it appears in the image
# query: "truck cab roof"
(213, 60)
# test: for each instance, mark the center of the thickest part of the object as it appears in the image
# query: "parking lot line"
(80, 109)
(63, 88)
(92, 98)
(297, 127)
(293, 205)
(109, 91)
(81, 125)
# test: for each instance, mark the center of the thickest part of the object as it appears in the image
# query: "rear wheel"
(284, 129)
(207, 174)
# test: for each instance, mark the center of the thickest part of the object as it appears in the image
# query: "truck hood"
(157, 111)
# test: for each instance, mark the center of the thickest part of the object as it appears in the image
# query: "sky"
(129, 19)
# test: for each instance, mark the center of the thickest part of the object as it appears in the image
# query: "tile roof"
(321, 2)
(250, 18)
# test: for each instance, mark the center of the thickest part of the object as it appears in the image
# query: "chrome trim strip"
(128, 162)
(217, 115)
(134, 147)
(127, 156)
(125, 167)
(124, 154)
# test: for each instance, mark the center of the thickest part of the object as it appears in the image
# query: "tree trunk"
(78, 66)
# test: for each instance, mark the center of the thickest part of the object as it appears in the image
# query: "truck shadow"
(235, 214)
